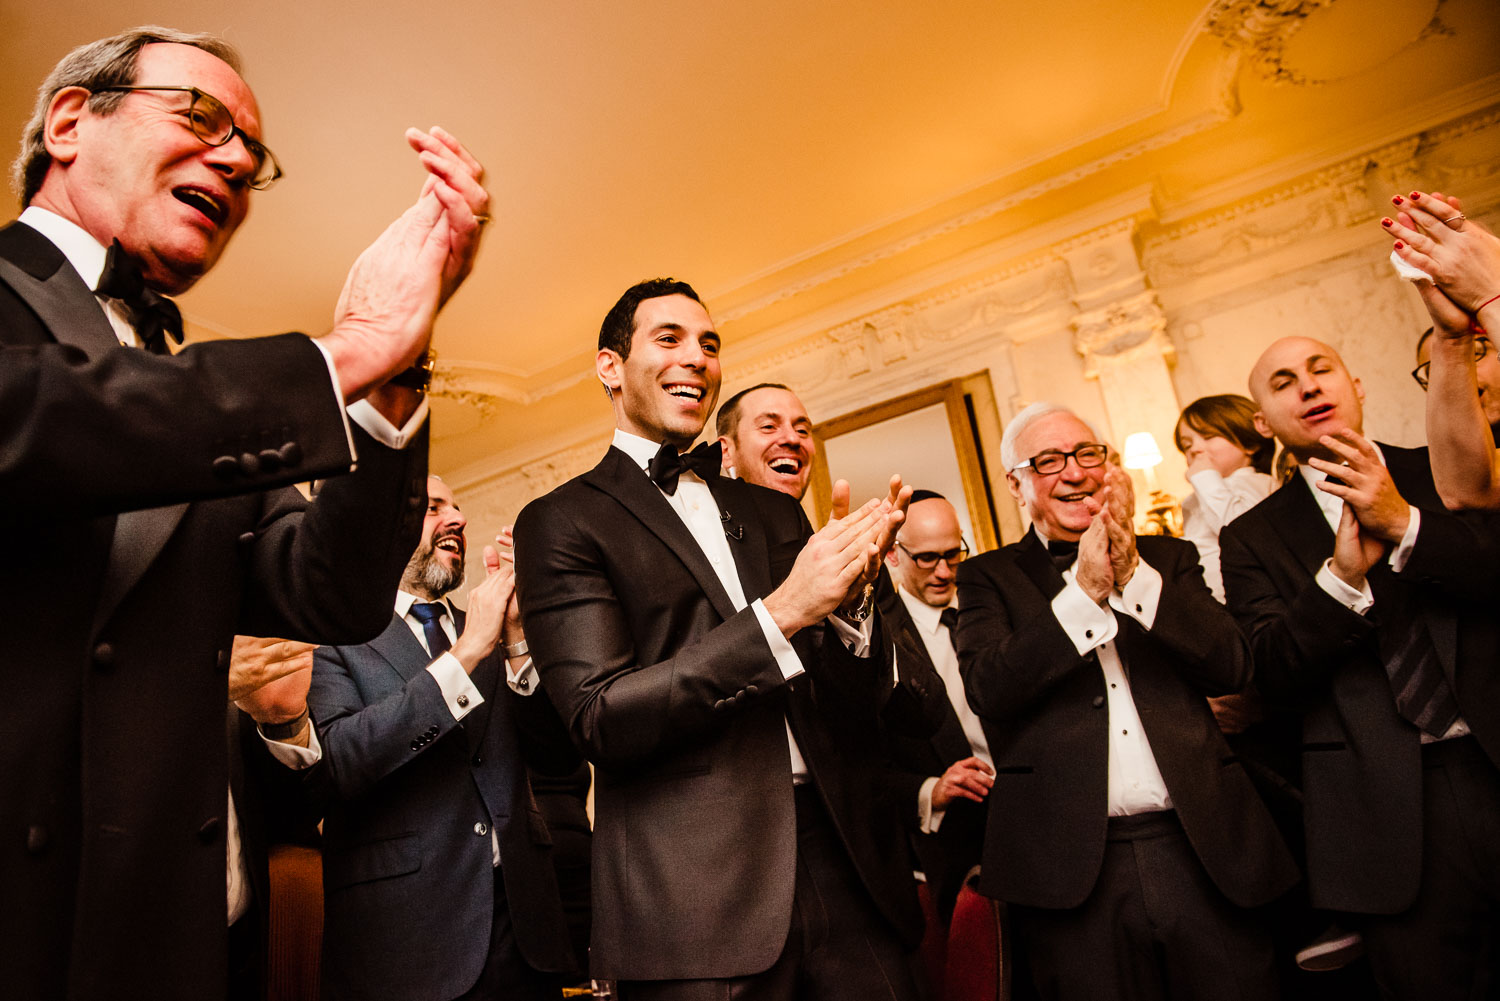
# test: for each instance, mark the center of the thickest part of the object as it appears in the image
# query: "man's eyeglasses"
(929, 560)
(212, 123)
(1046, 463)
(1481, 348)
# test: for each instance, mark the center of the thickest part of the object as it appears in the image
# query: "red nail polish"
(1415, 195)
(1386, 222)
(1399, 244)
(1396, 200)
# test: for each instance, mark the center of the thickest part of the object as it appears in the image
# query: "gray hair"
(109, 62)
(1023, 420)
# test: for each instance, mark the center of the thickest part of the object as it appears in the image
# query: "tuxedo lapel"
(39, 273)
(1036, 564)
(620, 478)
(747, 537)
(1298, 521)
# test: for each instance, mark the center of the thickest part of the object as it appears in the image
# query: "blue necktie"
(430, 614)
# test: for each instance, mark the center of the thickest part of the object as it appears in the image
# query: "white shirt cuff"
(1086, 624)
(781, 649)
(293, 756)
(522, 681)
(1141, 596)
(930, 819)
(1356, 601)
(333, 375)
(454, 682)
(1403, 549)
(373, 421)
(855, 637)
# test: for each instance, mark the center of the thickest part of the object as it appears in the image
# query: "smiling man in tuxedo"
(1127, 839)
(137, 500)
(710, 654)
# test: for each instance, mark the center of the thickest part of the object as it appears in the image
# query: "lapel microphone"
(732, 529)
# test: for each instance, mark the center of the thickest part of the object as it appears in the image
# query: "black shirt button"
(225, 466)
(249, 463)
(209, 832)
(290, 454)
(104, 656)
(1098, 701)
(37, 838)
(270, 460)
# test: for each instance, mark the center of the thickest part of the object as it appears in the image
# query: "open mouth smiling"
(212, 205)
(450, 544)
(786, 465)
(684, 391)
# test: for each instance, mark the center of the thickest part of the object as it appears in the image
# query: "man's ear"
(1359, 390)
(607, 367)
(60, 127)
(1262, 427)
(731, 460)
(1014, 485)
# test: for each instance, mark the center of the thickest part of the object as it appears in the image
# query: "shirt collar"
(405, 599)
(641, 450)
(927, 618)
(1331, 505)
(80, 248)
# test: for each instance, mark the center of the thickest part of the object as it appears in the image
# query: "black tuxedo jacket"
(679, 703)
(1046, 717)
(118, 621)
(946, 856)
(409, 796)
(1361, 762)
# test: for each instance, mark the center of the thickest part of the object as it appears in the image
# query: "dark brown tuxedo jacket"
(677, 700)
(1046, 717)
(118, 615)
(1361, 762)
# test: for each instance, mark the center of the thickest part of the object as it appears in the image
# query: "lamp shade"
(1141, 451)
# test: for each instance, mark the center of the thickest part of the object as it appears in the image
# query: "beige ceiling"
(786, 156)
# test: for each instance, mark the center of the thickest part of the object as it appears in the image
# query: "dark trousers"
(245, 957)
(506, 975)
(1154, 927)
(1447, 944)
(839, 948)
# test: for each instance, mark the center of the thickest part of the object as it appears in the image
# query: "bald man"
(1371, 609)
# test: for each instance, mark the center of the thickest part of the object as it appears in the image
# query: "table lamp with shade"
(1164, 516)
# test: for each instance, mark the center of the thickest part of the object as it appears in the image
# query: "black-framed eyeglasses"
(1087, 455)
(213, 124)
(929, 560)
(1481, 348)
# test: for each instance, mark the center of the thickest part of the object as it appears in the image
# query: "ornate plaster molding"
(1122, 332)
(1260, 29)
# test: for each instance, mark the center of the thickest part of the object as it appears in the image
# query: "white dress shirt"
(694, 503)
(1135, 782)
(1363, 599)
(939, 646)
(1216, 501)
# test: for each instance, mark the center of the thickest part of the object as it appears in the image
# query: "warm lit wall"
(1129, 316)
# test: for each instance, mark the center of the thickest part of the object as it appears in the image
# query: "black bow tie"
(667, 464)
(156, 317)
(1063, 553)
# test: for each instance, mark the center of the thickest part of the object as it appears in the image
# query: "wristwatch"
(287, 730)
(419, 376)
(866, 605)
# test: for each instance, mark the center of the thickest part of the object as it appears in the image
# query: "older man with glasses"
(1126, 838)
(144, 500)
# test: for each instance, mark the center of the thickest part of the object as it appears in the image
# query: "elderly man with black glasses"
(1126, 838)
(145, 507)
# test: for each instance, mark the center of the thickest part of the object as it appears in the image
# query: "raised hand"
(1366, 488)
(511, 632)
(1462, 256)
(487, 610)
(1094, 572)
(384, 316)
(1355, 550)
(1118, 515)
(825, 571)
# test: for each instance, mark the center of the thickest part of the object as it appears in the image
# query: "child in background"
(1229, 466)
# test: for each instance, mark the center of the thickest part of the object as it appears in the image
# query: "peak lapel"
(620, 478)
(40, 274)
(747, 537)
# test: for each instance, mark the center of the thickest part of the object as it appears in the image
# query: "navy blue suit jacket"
(410, 796)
